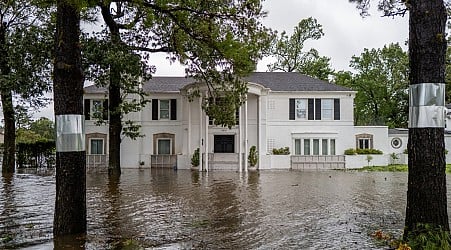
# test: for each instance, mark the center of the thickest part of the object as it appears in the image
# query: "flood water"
(166, 209)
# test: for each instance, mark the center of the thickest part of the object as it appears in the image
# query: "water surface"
(166, 209)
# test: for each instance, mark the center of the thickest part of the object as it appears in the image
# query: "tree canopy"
(381, 81)
(291, 57)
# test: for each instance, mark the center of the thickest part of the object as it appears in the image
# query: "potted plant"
(195, 160)
(252, 158)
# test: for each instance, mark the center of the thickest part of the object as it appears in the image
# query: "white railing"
(163, 161)
(304, 162)
(96, 161)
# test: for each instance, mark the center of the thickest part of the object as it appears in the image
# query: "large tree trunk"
(9, 142)
(426, 195)
(70, 200)
(114, 96)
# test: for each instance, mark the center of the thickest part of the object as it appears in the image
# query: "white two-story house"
(313, 118)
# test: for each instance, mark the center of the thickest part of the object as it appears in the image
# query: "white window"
(301, 108)
(315, 146)
(306, 146)
(297, 146)
(96, 146)
(327, 109)
(364, 143)
(164, 109)
(324, 147)
(164, 146)
(332, 146)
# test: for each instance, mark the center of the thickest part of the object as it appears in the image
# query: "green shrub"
(428, 237)
(350, 151)
(281, 151)
(253, 156)
(195, 158)
(368, 151)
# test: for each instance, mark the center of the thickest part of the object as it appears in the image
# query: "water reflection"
(167, 209)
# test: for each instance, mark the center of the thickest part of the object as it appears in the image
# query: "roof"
(398, 131)
(276, 81)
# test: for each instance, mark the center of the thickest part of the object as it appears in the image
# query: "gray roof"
(291, 81)
(276, 81)
(398, 131)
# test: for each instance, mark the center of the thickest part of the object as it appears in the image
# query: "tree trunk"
(9, 142)
(114, 96)
(70, 200)
(426, 195)
(115, 128)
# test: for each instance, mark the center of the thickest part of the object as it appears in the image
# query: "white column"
(245, 118)
(189, 128)
(200, 135)
(206, 141)
(259, 128)
(240, 140)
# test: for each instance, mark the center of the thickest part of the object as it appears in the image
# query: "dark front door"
(224, 144)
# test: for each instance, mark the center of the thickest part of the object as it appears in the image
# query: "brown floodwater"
(166, 209)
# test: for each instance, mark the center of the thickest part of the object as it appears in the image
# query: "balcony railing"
(98, 162)
(163, 161)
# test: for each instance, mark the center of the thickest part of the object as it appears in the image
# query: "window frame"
(158, 145)
(168, 109)
(297, 103)
(91, 140)
(327, 111)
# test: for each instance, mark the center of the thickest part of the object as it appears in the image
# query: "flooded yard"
(166, 209)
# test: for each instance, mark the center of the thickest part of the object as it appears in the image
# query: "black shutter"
(173, 108)
(311, 109)
(336, 109)
(154, 109)
(292, 110)
(317, 109)
(105, 109)
(87, 109)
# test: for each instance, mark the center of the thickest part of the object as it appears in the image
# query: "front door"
(224, 144)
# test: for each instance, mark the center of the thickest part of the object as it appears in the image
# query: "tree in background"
(217, 41)
(381, 82)
(426, 194)
(25, 57)
(291, 57)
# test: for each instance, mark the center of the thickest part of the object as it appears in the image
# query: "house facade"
(313, 118)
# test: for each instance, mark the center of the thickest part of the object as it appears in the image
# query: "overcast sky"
(346, 33)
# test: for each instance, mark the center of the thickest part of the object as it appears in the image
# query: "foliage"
(381, 82)
(368, 151)
(394, 168)
(289, 54)
(195, 158)
(428, 237)
(253, 156)
(281, 151)
(36, 154)
(350, 151)
(216, 41)
(369, 158)
(389, 168)
(42, 129)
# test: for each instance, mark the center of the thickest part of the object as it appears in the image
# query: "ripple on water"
(169, 209)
